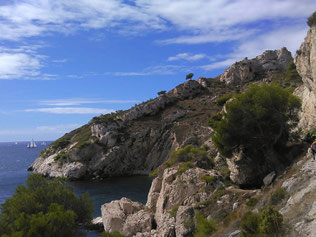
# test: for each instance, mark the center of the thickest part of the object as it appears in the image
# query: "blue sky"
(63, 62)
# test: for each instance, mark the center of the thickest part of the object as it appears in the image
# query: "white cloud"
(80, 101)
(71, 110)
(208, 20)
(187, 57)
(16, 65)
(290, 37)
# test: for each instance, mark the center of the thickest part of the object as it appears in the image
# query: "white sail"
(32, 144)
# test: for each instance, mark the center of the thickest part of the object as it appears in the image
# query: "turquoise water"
(15, 159)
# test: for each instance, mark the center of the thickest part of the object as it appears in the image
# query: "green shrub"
(252, 202)
(214, 119)
(221, 191)
(207, 178)
(312, 20)
(204, 227)
(184, 167)
(291, 75)
(189, 76)
(269, 222)
(223, 99)
(277, 196)
(154, 173)
(44, 208)
(249, 225)
(61, 158)
(112, 234)
(190, 153)
(173, 211)
(256, 120)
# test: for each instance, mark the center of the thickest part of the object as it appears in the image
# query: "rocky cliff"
(136, 141)
(305, 61)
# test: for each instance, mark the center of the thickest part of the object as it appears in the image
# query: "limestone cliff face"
(132, 142)
(305, 61)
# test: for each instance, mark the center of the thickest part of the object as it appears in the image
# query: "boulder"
(126, 217)
(267, 180)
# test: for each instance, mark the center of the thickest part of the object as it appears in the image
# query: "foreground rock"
(126, 217)
(300, 208)
(169, 207)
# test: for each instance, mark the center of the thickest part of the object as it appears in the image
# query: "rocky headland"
(139, 141)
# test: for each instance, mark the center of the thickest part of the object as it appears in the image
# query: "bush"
(269, 222)
(187, 165)
(277, 196)
(207, 178)
(204, 227)
(198, 156)
(44, 208)
(249, 225)
(252, 202)
(161, 92)
(189, 76)
(214, 119)
(312, 20)
(257, 120)
(173, 211)
(223, 99)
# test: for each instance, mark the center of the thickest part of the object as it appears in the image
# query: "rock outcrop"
(305, 61)
(254, 69)
(299, 210)
(132, 142)
(170, 206)
(126, 217)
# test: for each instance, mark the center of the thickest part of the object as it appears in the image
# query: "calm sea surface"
(16, 158)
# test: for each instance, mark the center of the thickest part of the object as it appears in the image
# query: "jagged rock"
(247, 70)
(300, 209)
(235, 233)
(126, 217)
(184, 224)
(305, 61)
(267, 180)
(49, 167)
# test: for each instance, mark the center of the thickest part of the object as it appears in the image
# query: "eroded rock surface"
(250, 70)
(305, 61)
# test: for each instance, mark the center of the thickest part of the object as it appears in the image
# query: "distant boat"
(16, 143)
(43, 143)
(32, 144)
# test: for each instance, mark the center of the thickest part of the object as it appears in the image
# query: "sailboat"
(32, 144)
(43, 143)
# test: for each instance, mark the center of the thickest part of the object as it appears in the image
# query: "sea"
(16, 158)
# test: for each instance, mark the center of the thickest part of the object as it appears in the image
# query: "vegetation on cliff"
(312, 20)
(257, 120)
(44, 208)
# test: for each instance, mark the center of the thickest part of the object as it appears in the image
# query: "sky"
(63, 62)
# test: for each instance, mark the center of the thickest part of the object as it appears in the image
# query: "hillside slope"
(138, 140)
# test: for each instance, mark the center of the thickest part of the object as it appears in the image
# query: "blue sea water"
(16, 158)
